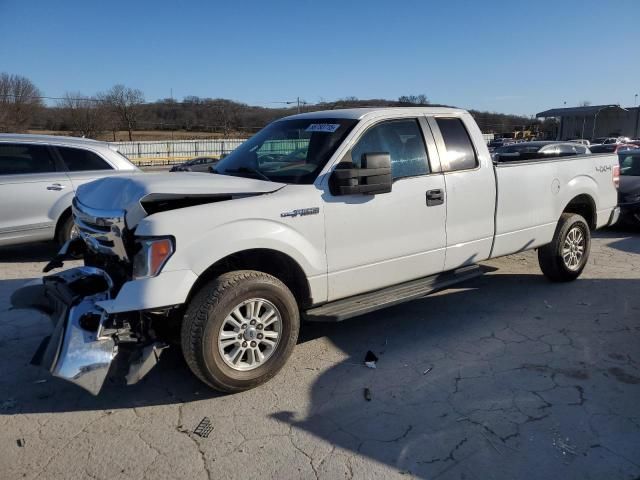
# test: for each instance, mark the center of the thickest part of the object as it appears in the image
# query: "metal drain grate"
(204, 428)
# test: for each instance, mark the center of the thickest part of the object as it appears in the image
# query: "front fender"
(198, 254)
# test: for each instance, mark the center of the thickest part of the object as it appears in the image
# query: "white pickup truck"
(319, 216)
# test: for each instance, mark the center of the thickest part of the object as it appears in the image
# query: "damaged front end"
(85, 340)
(88, 343)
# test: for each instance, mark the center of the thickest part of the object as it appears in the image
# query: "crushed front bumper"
(85, 339)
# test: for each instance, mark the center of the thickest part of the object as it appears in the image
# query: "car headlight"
(153, 253)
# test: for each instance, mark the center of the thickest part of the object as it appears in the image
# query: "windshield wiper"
(248, 170)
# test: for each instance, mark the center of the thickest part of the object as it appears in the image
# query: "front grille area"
(103, 231)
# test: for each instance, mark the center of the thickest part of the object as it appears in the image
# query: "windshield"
(289, 151)
(630, 165)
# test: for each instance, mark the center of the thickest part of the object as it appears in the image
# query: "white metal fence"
(167, 152)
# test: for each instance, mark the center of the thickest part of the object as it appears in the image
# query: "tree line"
(22, 108)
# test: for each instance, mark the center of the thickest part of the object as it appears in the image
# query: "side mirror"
(373, 177)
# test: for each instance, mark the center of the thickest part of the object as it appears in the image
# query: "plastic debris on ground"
(370, 359)
(367, 395)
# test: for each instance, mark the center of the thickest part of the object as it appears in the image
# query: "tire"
(564, 259)
(65, 231)
(209, 325)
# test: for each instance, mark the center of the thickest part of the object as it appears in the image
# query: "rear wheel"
(566, 256)
(239, 330)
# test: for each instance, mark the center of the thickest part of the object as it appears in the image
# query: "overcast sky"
(511, 56)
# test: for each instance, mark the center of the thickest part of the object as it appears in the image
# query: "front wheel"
(67, 230)
(239, 330)
(566, 256)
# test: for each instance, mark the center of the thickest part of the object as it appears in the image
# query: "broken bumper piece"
(84, 342)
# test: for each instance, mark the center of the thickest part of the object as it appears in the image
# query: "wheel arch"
(272, 262)
(584, 205)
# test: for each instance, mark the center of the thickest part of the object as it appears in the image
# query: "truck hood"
(142, 194)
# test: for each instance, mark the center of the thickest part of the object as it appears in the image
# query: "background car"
(581, 141)
(611, 147)
(498, 142)
(38, 177)
(200, 164)
(604, 140)
(538, 149)
(629, 188)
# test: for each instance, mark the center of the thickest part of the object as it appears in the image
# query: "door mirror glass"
(373, 176)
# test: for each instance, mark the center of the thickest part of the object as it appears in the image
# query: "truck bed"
(533, 194)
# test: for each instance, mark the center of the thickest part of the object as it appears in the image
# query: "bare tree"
(125, 103)
(20, 100)
(584, 103)
(414, 99)
(86, 116)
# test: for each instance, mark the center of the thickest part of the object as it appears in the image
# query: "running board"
(387, 297)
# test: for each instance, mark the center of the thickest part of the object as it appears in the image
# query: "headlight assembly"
(153, 254)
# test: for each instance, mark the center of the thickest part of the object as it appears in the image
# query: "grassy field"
(148, 135)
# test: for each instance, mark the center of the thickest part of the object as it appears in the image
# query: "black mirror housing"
(373, 177)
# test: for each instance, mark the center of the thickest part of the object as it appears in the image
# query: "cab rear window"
(460, 152)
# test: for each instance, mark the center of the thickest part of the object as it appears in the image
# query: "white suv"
(38, 178)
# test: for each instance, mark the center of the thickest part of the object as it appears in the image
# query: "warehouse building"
(595, 121)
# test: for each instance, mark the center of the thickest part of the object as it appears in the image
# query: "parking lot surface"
(507, 376)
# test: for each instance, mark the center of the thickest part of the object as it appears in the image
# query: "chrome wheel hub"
(250, 334)
(573, 248)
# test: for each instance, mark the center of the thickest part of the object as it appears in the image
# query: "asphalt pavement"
(507, 376)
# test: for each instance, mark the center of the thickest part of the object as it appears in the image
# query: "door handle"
(55, 186)
(435, 197)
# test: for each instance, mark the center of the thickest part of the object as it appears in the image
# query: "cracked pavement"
(506, 376)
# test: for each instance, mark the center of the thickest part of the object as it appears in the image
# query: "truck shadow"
(32, 252)
(630, 244)
(408, 339)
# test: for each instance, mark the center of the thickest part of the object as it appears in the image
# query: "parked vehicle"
(611, 147)
(538, 149)
(499, 142)
(38, 177)
(387, 205)
(604, 140)
(629, 190)
(581, 141)
(200, 164)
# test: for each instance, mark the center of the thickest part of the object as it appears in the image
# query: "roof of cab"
(57, 139)
(361, 113)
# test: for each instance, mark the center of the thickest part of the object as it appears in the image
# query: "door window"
(402, 139)
(21, 158)
(460, 153)
(78, 160)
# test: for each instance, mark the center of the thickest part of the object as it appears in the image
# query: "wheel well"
(585, 206)
(61, 219)
(275, 263)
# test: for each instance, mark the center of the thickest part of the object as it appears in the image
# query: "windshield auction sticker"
(323, 127)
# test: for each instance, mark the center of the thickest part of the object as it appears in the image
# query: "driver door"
(374, 241)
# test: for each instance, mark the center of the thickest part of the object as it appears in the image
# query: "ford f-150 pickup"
(320, 217)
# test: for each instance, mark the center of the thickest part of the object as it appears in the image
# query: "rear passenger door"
(82, 165)
(470, 186)
(34, 190)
